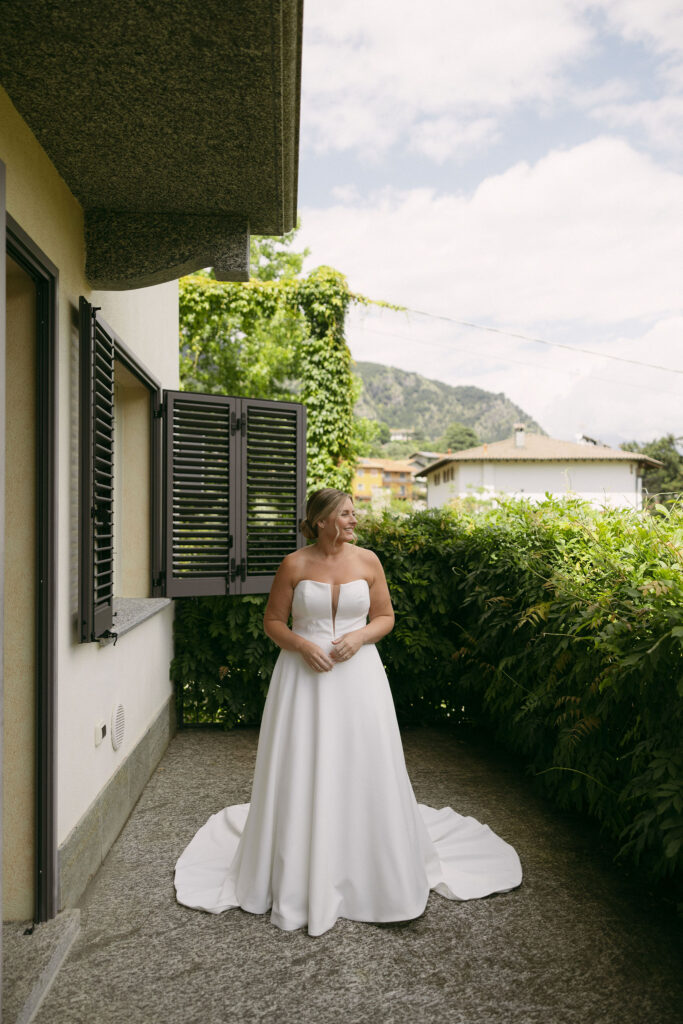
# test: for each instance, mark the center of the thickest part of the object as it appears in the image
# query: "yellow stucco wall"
(20, 595)
(364, 482)
(132, 486)
(91, 679)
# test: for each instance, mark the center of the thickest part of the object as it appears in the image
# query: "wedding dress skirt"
(333, 828)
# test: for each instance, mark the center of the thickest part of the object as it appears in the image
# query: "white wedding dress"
(333, 829)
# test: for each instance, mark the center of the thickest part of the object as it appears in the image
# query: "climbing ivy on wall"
(328, 388)
(280, 339)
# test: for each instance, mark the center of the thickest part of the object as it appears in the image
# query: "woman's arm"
(276, 617)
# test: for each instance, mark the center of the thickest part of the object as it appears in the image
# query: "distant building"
(419, 460)
(400, 434)
(531, 465)
(374, 476)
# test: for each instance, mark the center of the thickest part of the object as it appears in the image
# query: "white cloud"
(372, 70)
(568, 393)
(582, 246)
(587, 234)
(661, 120)
(444, 138)
(647, 404)
(614, 90)
(346, 194)
(658, 23)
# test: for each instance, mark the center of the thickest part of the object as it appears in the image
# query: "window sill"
(129, 612)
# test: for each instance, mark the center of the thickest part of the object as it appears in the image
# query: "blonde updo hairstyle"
(320, 505)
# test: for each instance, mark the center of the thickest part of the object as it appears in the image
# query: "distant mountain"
(408, 400)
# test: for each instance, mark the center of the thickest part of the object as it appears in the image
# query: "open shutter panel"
(235, 480)
(200, 488)
(96, 474)
(273, 482)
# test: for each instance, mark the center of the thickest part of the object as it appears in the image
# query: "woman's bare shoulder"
(369, 561)
(367, 555)
(293, 566)
(291, 563)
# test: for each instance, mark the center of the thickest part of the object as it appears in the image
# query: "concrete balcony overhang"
(175, 125)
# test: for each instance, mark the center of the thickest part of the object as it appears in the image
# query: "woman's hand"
(315, 657)
(344, 647)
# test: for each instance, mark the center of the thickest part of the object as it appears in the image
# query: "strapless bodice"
(312, 608)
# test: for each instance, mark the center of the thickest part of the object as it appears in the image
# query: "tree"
(457, 436)
(663, 484)
(271, 258)
(383, 431)
(237, 339)
(279, 336)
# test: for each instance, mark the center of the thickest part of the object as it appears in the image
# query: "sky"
(509, 167)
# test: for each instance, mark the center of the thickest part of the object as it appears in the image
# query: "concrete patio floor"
(578, 943)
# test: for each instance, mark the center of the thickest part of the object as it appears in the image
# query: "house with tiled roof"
(530, 466)
(374, 477)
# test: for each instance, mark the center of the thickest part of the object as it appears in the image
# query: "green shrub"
(223, 660)
(560, 629)
(556, 627)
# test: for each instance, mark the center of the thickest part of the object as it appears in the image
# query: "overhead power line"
(541, 341)
(534, 366)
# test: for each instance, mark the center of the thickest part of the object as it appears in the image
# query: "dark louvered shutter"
(96, 474)
(235, 472)
(200, 493)
(273, 481)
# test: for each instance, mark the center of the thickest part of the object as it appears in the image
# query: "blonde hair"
(320, 505)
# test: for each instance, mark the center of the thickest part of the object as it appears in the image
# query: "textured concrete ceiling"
(166, 118)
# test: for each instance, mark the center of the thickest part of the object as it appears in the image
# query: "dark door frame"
(45, 276)
(3, 324)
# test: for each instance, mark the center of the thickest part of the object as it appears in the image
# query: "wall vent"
(118, 726)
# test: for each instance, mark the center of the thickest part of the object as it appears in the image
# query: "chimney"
(519, 435)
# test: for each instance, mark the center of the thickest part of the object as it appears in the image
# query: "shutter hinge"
(158, 413)
(238, 423)
(109, 634)
(158, 581)
(238, 570)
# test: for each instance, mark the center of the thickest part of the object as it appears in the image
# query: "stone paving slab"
(32, 955)
(578, 943)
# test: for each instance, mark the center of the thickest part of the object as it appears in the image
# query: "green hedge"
(557, 628)
(223, 660)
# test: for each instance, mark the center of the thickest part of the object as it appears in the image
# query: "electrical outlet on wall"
(100, 732)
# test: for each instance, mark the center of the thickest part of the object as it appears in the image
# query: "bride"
(333, 828)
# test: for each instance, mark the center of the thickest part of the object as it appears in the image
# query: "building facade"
(391, 478)
(531, 466)
(118, 491)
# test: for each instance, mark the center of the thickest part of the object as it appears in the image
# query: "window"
(181, 494)
(132, 509)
